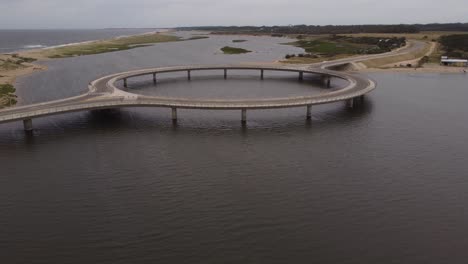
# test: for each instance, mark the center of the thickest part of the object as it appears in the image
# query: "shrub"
(6, 89)
(423, 61)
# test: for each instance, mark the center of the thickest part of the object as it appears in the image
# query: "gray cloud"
(171, 13)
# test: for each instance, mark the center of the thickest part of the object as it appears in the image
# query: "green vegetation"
(14, 62)
(232, 50)
(319, 48)
(7, 95)
(9, 65)
(6, 89)
(335, 45)
(20, 60)
(239, 40)
(198, 37)
(118, 44)
(423, 61)
(455, 45)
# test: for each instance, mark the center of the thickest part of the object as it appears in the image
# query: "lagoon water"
(384, 183)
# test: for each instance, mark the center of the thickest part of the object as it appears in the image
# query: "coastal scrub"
(7, 95)
(104, 46)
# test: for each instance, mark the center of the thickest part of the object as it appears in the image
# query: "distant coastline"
(25, 62)
(18, 64)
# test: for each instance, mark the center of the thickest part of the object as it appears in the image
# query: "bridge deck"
(104, 94)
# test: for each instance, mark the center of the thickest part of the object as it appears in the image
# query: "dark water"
(384, 183)
(16, 40)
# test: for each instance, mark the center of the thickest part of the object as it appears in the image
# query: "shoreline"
(10, 76)
(22, 63)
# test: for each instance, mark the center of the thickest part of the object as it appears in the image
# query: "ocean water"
(17, 40)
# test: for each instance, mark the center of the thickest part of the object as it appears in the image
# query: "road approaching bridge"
(104, 94)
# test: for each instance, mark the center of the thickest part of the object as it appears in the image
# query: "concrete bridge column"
(301, 76)
(125, 83)
(174, 114)
(28, 125)
(309, 112)
(189, 75)
(244, 116)
(350, 103)
(225, 74)
(328, 82)
(262, 73)
(154, 78)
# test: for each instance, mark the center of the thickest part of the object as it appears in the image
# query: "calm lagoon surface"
(383, 183)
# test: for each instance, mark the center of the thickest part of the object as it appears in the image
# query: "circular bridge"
(357, 87)
(104, 94)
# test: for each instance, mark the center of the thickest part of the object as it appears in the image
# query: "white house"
(453, 62)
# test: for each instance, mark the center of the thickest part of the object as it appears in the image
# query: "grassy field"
(97, 47)
(328, 47)
(232, 50)
(13, 62)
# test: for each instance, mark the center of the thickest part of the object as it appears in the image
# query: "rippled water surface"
(383, 183)
(16, 40)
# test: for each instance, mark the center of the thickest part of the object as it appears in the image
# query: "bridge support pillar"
(28, 125)
(125, 83)
(328, 82)
(244, 116)
(174, 114)
(301, 76)
(154, 78)
(261, 74)
(350, 103)
(225, 74)
(362, 98)
(309, 112)
(189, 75)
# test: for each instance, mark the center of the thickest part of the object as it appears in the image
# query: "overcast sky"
(173, 13)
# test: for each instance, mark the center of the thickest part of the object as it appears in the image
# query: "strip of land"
(422, 51)
(233, 50)
(21, 63)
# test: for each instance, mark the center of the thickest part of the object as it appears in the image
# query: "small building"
(446, 61)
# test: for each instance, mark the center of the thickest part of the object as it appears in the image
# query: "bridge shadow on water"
(132, 121)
